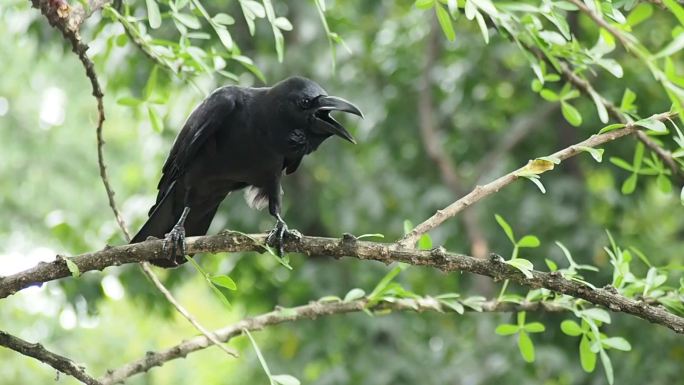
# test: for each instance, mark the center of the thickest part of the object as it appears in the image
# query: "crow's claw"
(174, 246)
(276, 238)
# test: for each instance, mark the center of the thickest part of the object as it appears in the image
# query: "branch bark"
(37, 351)
(483, 191)
(313, 310)
(350, 247)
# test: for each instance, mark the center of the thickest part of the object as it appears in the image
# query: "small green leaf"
(354, 294)
(73, 267)
(506, 227)
(652, 124)
(156, 121)
(676, 9)
(506, 329)
(153, 15)
(571, 328)
(621, 163)
(283, 23)
(681, 196)
(607, 366)
(534, 327)
(424, 4)
(640, 13)
(529, 241)
(453, 305)
(611, 127)
(523, 265)
(526, 347)
(571, 114)
(285, 379)
(618, 343)
(151, 84)
(445, 22)
(664, 183)
(223, 281)
(373, 235)
(587, 357)
(596, 314)
(629, 185)
(425, 242)
(187, 20)
(223, 19)
(549, 95)
(225, 37)
(129, 101)
(596, 153)
(551, 264)
(628, 99)
(260, 356)
(408, 226)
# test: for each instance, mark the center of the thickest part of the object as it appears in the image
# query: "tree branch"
(313, 310)
(350, 247)
(483, 191)
(37, 351)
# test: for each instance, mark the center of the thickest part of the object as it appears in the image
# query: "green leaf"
(676, 9)
(408, 226)
(596, 153)
(529, 241)
(424, 4)
(425, 242)
(506, 227)
(382, 285)
(534, 327)
(285, 379)
(260, 356)
(571, 328)
(523, 265)
(129, 101)
(453, 305)
(621, 163)
(628, 98)
(629, 185)
(156, 121)
(153, 15)
(551, 264)
(121, 40)
(535, 179)
(283, 23)
(506, 329)
(445, 22)
(681, 196)
(587, 357)
(483, 26)
(151, 84)
(73, 267)
(596, 314)
(526, 347)
(571, 114)
(224, 36)
(549, 95)
(640, 13)
(664, 183)
(187, 20)
(373, 235)
(521, 318)
(354, 294)
(607, 366)
(652, 124)
(223, 281)
(611, 127)
(618, 343)
(223, 19)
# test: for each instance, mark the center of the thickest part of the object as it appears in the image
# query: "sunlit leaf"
(506, 329)
(571, 328)
(153, 15)
(285, 379)
(445, 22)
(224, 281)
(571, 114)
(354, 294)
(526, 347)
(587, 357)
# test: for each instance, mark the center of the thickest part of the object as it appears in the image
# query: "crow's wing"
(213, 113)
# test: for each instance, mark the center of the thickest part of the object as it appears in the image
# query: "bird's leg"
(174, 242)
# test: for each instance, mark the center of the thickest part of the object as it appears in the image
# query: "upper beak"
(325, 104)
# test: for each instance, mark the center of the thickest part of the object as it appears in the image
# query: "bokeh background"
(52, 201)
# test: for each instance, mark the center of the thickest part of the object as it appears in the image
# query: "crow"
(239, 138)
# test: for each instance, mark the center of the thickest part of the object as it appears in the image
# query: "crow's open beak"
(325, 122)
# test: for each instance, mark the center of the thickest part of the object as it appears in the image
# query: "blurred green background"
(52, 201)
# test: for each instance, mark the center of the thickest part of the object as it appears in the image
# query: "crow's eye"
(305, 102)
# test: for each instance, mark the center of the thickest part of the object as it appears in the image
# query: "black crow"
(239, 138)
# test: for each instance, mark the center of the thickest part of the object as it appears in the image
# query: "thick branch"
(483, 191)
(311, 311)
(37, 351)
(350, 247)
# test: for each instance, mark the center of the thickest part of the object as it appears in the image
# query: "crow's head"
(304, 105)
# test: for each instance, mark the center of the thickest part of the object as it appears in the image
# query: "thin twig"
(483, 191)
(313, 310)
(37, 351)
(431, 143)
(350, 247)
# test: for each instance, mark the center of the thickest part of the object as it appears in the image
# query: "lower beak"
(326, 104)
